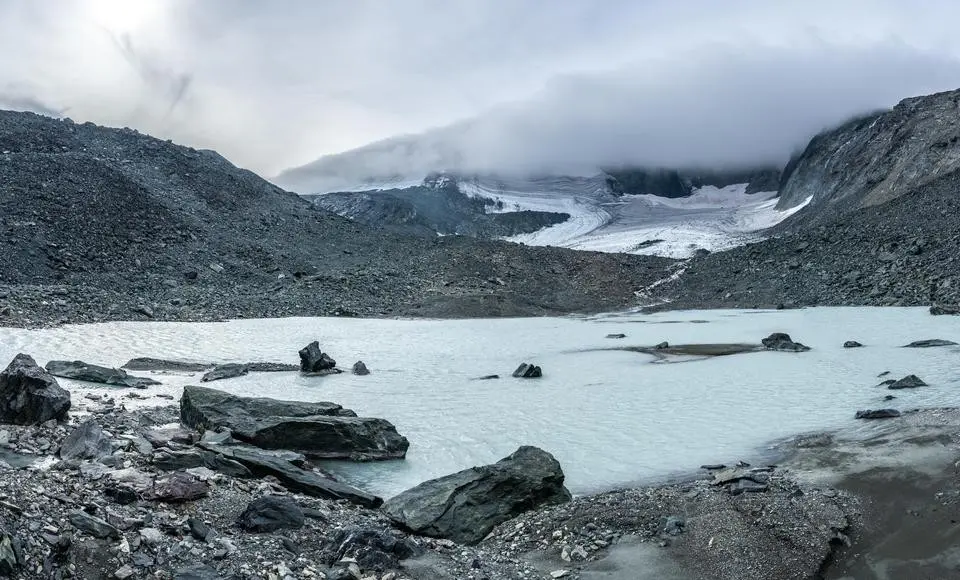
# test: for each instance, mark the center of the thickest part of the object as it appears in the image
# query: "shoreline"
(823, 513)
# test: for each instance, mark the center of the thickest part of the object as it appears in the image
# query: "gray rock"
(198, 529)
(271, 513)
(372, 548)
(907, 382)
(321, 430)
(467, 505)
(225, 371)
(782, 342)
(178, 487)
(852, 344)
(163, 437)
(93, 525)
(747, 486)
(528, 371)
(87, 441)
(263, 463)
(30, 395)
(270, 367)
(179, 460)
(617, 335)
(312, 360)
(487, 378)
(360, 369)
(674, 525)
(9, 562)
(156, 364)
(877, 414)
(197, 572)
(929, 343)
(81, 371)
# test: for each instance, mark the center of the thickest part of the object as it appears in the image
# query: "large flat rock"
(320, 430)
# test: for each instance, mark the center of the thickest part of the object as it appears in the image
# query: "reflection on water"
(609, 416)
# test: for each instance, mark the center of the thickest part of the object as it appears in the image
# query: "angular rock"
(122, 494)
(852, 344)
(487, 377)
(30, 395)
(271, 513)
(179, 487)
(322, 430)
(907, 382)
(373, 549)
(93, 525)
(662, 345)
(81, 371)
(929, 343)
(263, 463)
(617, 335)
(467, 505)
(156, 364)
(179, 460)
(360, 369)
(198, 529)
(877, 414)
(944, 310)
(163, 437)
(312, 360)
(87, 441)
(9, 562)
(528, 371)
(226, 371)
(782, 342)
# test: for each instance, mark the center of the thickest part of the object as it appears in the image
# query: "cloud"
(526, 82)
(713, 106)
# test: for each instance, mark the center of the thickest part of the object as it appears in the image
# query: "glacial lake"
(612, 418)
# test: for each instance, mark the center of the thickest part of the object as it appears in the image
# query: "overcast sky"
(275, 84)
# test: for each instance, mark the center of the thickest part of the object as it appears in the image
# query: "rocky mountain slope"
(875, 158)
(110, 224)
(905, 252)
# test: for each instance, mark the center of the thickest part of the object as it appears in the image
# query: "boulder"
(372, 548)
(93, 525)
(226, 371)
(178, 487)
(528, 371)
(156, 364)
(929, 343)
(312, 360)
(320, 430)
(877, 414)
(360, 369)
(271, 513)
(263, 463)
(944, 310)
(178, 460)
(907, 382)
(467, 505)
(662, 345)
(781, 341)
(81, 371)
(617, 335)
(88, 441)
(30, 395)
(852, 344)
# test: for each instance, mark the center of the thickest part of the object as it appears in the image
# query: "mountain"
(876, 158)
(881, 227)
(99, 223)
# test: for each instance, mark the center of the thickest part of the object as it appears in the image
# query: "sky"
(538, 84)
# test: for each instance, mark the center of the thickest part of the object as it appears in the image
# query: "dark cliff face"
(673, 183)
(876, 158)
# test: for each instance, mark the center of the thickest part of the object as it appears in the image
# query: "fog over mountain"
(528, 85)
